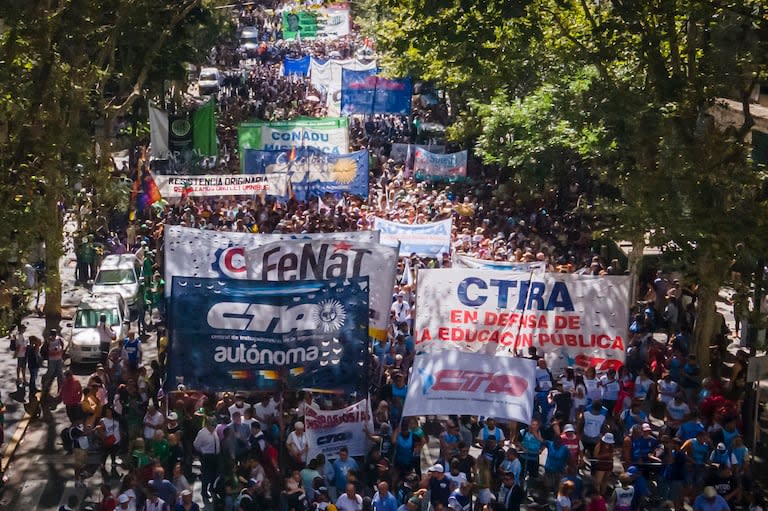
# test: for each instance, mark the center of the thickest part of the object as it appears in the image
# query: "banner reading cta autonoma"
(221, 254)
(323, 260)
(573, 320)
(238, 335)
(330, 430)
(427, 240)
(487, 385)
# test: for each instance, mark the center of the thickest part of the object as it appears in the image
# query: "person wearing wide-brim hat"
(602, 464)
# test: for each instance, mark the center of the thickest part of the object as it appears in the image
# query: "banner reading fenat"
(329, 135)
(456, 383)
(427, 240)
(323, 260)
(365, 92)
(459, 260)
(215, 185)
(312, 172)
(440, 166)
(581, 318)
(221, 254)
(241, 335)
(330, 430)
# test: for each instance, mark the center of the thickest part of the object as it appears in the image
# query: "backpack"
(13, 344)
(67, 439)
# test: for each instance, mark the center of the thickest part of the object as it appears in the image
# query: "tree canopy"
(619, 91)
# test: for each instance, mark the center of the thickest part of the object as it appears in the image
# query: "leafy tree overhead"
(66, 66)
(622, 91)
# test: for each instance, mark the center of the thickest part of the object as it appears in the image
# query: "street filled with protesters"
(648, 432)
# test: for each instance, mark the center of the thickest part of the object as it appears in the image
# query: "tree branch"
(136, 92)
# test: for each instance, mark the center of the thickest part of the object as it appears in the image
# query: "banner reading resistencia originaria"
(221, 254)
(330, 430)
(426, 240)
(216, 185)
(572, 320)
(241, 335)
(323, 260)
(456, 383)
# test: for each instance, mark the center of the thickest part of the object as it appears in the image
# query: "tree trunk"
(704, 328)
(54, 237)
(634, 263)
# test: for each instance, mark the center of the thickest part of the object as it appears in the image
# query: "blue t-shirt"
(717, 504)
(131, 348)
(689, 429)
(557, 457)
(341, 469)
(388, 503)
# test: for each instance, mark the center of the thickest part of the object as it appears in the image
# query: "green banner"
(204, 130)
(301, 23)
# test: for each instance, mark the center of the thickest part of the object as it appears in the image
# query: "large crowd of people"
(650, 435)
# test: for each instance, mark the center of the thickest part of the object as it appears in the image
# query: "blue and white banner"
(464, 261)
(330, 430)
(427, 240)
(221, 254)
(440, 166)
(244, 335)
(364, 92)
(312, 172)
(298, 66)
(456, 383)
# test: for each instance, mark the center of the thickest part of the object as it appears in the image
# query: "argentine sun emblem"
(330, 315)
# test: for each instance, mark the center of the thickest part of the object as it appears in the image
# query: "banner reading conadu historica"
(330, 430)
(313, 173)
(329, 135)
(456, 383)
(427, 240)
(215, 185)
(324, 260)
(582, 318)
(221, 254)
(440, 166)
(242, 335)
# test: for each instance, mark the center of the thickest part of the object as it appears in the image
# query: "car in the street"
(249, 40)
(120, 273)
(209, 81)
(84, 338)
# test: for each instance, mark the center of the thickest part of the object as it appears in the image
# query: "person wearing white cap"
(124, 502)
(298, 445)
(572, 441)
(602, 464)
(186, 502)
(438, 485)
(720, 456)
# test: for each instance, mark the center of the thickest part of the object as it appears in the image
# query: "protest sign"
(215, 185)
(571, 319)
(428, 240)
(329, 430)
(313, 173)
(241, 335)
(439, 166)
(221, 254)
(455, 383)
(322, 260)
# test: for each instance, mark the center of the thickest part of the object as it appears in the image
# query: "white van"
(84, 339)
(119, 274)
(209, 81)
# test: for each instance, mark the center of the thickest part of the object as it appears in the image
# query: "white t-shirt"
(611, 389)
(402, 311)
(667, 391)
(678, 411)
(21, 345)
(543, 379)
(344, 503)
(593, 424)
(155, 421)
(264, 413)
(111, 427)
(593, 388)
